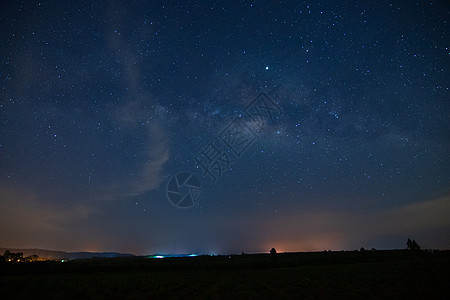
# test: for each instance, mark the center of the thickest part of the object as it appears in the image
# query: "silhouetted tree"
(13, 257)
(412, 245)
(273, 251)
(7, 255)
(362, 249)
(33, 257)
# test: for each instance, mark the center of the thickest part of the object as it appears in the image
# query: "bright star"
(267, 68)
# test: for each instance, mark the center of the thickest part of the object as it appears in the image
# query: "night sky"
(340, 112)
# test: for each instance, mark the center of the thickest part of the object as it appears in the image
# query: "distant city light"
(172, 255)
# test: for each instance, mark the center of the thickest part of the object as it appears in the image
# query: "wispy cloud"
(140, 112)
(25, 217)
(426, 221)
(316, 230)
(150, 173)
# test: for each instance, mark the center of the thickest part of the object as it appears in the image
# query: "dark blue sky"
(102, 104)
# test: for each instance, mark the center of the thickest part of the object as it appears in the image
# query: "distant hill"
(50, 254)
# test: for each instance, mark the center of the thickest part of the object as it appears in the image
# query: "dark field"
(344, 275)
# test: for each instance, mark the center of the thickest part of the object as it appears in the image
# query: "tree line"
(12, 257)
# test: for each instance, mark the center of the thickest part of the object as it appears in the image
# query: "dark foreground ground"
(324, 275)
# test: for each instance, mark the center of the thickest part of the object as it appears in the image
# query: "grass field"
(330, 275)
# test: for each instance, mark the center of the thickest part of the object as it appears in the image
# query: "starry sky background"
(102, 103)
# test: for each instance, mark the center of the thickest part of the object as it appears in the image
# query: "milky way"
(101, 105)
